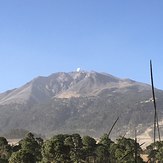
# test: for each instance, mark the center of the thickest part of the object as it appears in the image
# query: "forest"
(64, 148)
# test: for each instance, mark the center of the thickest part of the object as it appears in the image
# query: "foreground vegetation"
(76, 149)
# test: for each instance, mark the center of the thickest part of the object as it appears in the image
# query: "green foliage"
(124, 151)
(88, 142)
(102, 154)
(89, 146)
(105, 145)
(74, 142)
(155, 151)
(54, 150)
(22, 156)
(32, 145)
(105, 140)
(5, 149)
(3, 141)
(65, 148)
(3, 160)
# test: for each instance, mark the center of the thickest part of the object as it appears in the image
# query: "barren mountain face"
(83, 102)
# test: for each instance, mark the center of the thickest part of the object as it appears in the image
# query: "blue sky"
(40, 37)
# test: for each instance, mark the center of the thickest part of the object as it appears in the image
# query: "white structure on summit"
(78, 69)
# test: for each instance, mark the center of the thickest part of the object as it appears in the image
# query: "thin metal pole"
(158, 128)
(112, 127)
(154, 103)
(136, 148)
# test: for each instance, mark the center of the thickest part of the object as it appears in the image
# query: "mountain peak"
(85, 102)
(65, 85)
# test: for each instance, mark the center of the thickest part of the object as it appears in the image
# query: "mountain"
(83, 102)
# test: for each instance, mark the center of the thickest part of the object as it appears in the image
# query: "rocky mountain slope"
(83, 102)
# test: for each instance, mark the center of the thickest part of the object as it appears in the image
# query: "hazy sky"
(119, 37)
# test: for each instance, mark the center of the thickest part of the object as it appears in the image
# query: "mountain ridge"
(84, 102)
(66, 82)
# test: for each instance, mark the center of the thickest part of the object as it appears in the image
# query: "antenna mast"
(155, 108)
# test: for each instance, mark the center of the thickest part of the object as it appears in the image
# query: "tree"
(22, 156)
(105, 144)
(5, 149)
(74, 142)
(32, 146)
(89, 146)
(105, 140)
(54, 150)
(155, 151)
(124, 151)
(102, 154)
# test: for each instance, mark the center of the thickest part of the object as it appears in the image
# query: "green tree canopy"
(22, 156)
(155, 151)
(5, 149)
(32, 145)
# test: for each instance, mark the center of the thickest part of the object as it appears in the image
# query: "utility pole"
(156, 124)
(136, 148)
